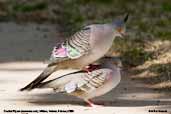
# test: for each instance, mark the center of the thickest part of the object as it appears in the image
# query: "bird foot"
(91, 67)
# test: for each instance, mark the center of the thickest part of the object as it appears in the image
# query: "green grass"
(166, 7)
(132, 51)
(162, 71)
(135, 56)
(161, 68)
(95, 1)
(164, 35)
(71, 19)
(143, 26)
(29, 7)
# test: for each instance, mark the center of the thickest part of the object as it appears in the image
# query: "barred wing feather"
(76, 46)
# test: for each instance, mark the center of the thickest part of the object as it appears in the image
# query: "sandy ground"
(23, 49)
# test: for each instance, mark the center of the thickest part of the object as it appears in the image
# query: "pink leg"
(90, 103)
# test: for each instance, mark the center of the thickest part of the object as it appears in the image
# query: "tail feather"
(48, 71)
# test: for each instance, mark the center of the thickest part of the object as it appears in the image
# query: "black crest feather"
(126, 17)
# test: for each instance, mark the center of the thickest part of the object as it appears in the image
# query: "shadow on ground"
(44, 100)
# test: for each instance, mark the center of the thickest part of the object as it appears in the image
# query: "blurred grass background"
(146, 51)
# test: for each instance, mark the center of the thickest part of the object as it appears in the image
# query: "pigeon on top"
(82, 48)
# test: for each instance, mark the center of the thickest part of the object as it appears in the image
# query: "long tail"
(45, 74)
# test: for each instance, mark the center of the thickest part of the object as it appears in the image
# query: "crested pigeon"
(81, 84)
(81, 49)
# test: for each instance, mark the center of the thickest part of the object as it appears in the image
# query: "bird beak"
(121, 32)
(122, 35)
(120, 65)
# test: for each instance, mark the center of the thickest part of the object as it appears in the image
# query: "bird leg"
(90, 103)
(91, 67)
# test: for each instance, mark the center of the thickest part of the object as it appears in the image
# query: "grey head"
(119, 26)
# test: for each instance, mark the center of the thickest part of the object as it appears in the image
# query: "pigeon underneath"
(86, 86)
